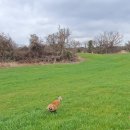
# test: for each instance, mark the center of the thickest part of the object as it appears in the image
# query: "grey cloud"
(85, 18)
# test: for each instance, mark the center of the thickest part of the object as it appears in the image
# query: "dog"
(54, 105)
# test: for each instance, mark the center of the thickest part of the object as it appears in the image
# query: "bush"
(7, 47)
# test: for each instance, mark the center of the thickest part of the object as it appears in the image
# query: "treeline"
(54, 49)
(58, 47)
(104, 43)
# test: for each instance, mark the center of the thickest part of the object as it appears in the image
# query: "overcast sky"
(85, 18)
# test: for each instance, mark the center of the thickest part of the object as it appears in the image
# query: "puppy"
(54, 105)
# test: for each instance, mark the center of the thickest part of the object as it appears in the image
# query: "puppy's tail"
(59, 98)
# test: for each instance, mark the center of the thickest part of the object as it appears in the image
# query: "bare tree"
(63, 39)
(58, 41)
(52, 40)
(85, 45)
(74, 45)
(127, 46)
(7, 47)
(106, 41)
(36, 47)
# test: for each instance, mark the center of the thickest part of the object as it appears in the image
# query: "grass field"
(96, 95)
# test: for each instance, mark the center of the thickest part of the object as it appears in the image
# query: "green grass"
(96, 95)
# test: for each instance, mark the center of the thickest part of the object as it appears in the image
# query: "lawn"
(96, 95)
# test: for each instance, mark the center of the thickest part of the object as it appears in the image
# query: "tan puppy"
(54, 105)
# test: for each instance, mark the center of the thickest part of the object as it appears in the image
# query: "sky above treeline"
(85, 18)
